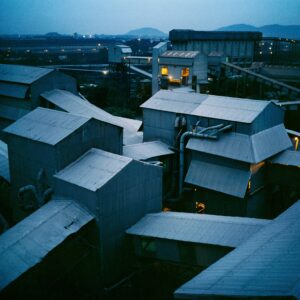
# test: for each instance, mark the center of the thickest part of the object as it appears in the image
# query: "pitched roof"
(287, 158)
(27, 243)
(147, 150)
(173, 101)
(46, 125)
(224, 179)
(266, 265)
(180, 54)
(22, 74)
(76, 105)
(242, 147)
(198, 228)
(93, 169)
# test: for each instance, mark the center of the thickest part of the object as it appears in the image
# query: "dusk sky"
(120, 16)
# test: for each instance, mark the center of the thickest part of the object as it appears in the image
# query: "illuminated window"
(296, 139)
(185, 72)
(200, 207)
(164, 71)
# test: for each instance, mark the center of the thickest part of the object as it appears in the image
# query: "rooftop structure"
(4, 165)
(118, 53)
(266, 265)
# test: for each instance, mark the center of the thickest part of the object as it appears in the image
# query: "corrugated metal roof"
(267, 264)
(173, 101)
(293, 132)
(147, 150)
(224, 179)
(288, 158)
(46, 125)
(180, 54)
(93, 169)
(22, 74)
(130, 137)
(13, 90)
(198, 228)
(4, 164)
(27, 243)
(74, 104)
(231, 109)
(242, 147)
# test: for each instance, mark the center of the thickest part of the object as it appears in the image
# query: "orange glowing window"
(185, 72)
(200, 207)
(164, 70)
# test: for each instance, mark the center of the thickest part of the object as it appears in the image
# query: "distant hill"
(282, 31)
(147, 32)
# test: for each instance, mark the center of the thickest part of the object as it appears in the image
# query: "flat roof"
(22, 74)
(27, 243)
(198, 228)
(147, 150)
(184, 35)
(46, 125)
(265, 265)
(93, 169)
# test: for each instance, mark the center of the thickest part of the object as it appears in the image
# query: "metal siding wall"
(257, 205)
(134, 192)
(167, 250)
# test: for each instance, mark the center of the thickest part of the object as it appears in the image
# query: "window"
(185, 72)
(164, 71)
(148, 246)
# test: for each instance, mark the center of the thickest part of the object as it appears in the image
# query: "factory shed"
(207, 237)
(36, 255)
(264, 266)
(242, 147)
(118, 191)
(147, 150)
(74, 104)
(45, 141)
(21, 86)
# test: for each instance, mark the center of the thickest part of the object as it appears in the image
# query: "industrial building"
(21, 86)
(224, 145)
(118, 53)
(182, 68)
(238, 47)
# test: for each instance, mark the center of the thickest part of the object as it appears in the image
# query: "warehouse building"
(225, 167)
(43, 142)
(21, 86)
(238, 47)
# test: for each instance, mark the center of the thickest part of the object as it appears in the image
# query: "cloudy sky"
(120, 16)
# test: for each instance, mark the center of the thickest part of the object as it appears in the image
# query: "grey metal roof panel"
(232, 145)
(242, 147)
(269, 142)
(198, 228)
(130, 137)
(144, 151)
(93, 169)
(173, 101)
(267, 264)
(74, 104)
(46, 125)
(230, 109)
(13, 90)
(4, 164)
(27, 243)
(22, 74)
(224, 179)
(180, 54)
(287, 158)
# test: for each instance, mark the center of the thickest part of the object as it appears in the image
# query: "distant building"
(182, 68)
(21, 86)
(118, 53)
(238, 47)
